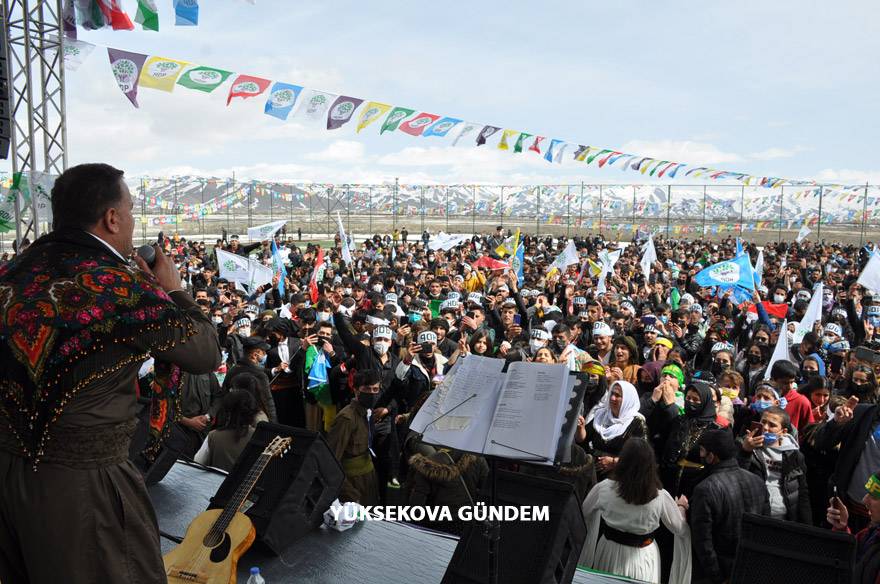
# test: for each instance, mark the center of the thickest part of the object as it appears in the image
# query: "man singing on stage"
(76, 322)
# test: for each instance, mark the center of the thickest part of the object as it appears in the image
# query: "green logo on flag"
(125, 72)
(161, 69)
(246, 87)
(317, 103)
(282, 98)
(342, 111)
(205, 76)
(230, 265)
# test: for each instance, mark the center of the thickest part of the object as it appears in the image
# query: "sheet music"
(526, 419)
(469, 394)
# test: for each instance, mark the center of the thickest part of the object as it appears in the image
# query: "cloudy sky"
(785, 88)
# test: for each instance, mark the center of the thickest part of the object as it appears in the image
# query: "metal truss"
(37, 98)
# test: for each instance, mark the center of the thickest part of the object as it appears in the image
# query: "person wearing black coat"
(853, 429)
(255, 348)
(284, 366)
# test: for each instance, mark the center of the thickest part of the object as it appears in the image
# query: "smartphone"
(426, 347)
(649, 319)
(756, 428)
(836, 364)
(852, 402)
(867, 355)
(517, 319)
(471, 314)
(835, 498)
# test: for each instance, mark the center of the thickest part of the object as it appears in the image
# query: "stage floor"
(373, 551)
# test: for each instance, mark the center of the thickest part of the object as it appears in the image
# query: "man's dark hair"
(718, 442)
(83, 194)
(784, 369)
(636, 473)
(366, 377)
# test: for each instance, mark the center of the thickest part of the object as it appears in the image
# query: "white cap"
(601, 329)
(475, 297)
(391, 298)
(833, 327)
(803, 295)
(579, 301)
(539, 333)
(549, 324)
(427, 337)
(449, 304)
(453, 295)
(382, 332)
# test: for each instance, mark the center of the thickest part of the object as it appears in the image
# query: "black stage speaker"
(5, 106)
(293, 492)
(805, 554)
(530, 552)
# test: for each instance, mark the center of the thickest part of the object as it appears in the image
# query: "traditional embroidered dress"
(76, 322)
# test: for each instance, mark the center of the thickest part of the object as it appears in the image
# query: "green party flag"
(394, 118)
(435, 307)
(205, 79)
(518, 147)
(147, 15)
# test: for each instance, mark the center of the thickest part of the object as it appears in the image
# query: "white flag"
(233, 267)
(781, 351)
(75, 53)
(568, 257)
(264, 232)
(870, 276)
(346, 253)
(803, 233)
(811, 316)
(258, 275)
(314, 104)
(759, 268)
(648, 258)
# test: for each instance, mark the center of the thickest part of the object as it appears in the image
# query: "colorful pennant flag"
(371, 112)
(466, 130)
(397, 115)
(441, 127)
(505, 135)
(186, 12)
(281, 100)
(341, 111)
(418, 124)
(161, 73)
(114, 15)
(316, 103)
(486, 133)
(205, 79)
(126, 69)
(518, 147)
(75, 52)
(147, 15)
(536, 145)
(245, 86)
(548, 156)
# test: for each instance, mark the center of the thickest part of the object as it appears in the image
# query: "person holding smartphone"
(867, 568)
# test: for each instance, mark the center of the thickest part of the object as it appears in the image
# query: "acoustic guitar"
(217, 538)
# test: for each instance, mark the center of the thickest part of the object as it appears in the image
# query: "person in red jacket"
(867, 568)
(783, 375)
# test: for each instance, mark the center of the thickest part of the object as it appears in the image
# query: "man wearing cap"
(254, 363)
(538, 339)
(602, 337)
(717, 506)
(241, 329)
(419, 371)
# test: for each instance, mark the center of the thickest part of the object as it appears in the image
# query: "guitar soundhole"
(219, 551)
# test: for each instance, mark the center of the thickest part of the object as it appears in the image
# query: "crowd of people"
(686, 423)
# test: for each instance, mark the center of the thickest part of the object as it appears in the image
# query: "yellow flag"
(508, 246)
(372, 112)
(505, 136)
(595, 269)
(161, 73)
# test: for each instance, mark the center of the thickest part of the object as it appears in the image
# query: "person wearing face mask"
(680, 466)
(862, 383)
(563, 346)
(538, 339)
(753, 367)
(611, 424)
(350, 439)
(240, 330)
(254, 363)
(419, 371)
(772, 454)
(717, 505)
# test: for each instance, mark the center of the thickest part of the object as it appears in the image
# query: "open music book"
(528, 412)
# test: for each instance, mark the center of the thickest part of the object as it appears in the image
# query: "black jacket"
(851, 437)
(262, 385)
(794, 481)
(716, 509)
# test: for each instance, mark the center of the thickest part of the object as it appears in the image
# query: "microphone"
(148, 254)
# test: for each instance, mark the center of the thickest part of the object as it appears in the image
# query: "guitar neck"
(238, 499)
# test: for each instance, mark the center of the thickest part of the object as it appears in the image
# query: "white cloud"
(848, 175)
(687, 151)
(776, 153)
(339, 151)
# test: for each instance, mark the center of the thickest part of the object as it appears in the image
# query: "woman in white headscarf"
(611, 423)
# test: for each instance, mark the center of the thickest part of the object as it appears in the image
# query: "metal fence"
(208, 207)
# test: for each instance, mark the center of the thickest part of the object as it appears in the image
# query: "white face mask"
(381, 347)
(778, 298)
(377, 287)
(217, 319)
(346, 291)
(245, 332)
(323, 317)
(535, 344)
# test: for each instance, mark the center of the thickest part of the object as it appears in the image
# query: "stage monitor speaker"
(5, 106)
(529, 552)
(805, 554)
(292, 494)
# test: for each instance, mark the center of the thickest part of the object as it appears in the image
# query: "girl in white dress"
(622, 513)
